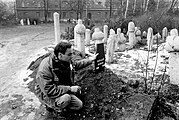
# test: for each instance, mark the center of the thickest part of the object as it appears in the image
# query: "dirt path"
(20, 46)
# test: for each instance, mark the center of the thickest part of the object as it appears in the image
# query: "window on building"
(71, 14)
(56, 6)
(37, 14)
(38, 5)
(106, 14)
(49, 14)
(64, 4)
(25, 14)
(99, 13)
(89, 15)
(23, 5)
(64, 14)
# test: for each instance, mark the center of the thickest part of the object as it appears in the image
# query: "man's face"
(67, 56)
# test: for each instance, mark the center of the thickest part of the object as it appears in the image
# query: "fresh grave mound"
(105, 95)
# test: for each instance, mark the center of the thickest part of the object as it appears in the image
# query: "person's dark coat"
(54, 78)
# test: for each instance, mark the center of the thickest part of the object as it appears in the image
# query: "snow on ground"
(134, 62)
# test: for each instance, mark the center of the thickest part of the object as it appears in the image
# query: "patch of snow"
(134, 61)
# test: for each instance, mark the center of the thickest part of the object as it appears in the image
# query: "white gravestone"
(121, 44)
(121, 40)
(131, 34)
(164, 34)
(138, 35)
(144, 35)
(156, 38)
(110, 46)
(172, 46)
(118, 39)
(159, 36)
(56, 27)
(87, 37)
(174, 67)
(28, 21)
(172, 43)
(150, 38)
(119, 33)
(80, 37)
(97, 36)
(75, 41)
(174, 32)
(105, 33)
(22, 22)
(35, 22)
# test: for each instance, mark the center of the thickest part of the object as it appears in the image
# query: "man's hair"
(62, 47)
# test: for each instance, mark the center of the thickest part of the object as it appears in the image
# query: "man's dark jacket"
(54, 78)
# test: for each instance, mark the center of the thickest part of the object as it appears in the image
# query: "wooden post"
(56, 27)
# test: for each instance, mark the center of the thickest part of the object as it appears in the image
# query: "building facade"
(68, 9)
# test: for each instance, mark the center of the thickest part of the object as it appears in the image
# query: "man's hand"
(75, 89)
(93, 57)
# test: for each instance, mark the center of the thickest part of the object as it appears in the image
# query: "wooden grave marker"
(100, 59)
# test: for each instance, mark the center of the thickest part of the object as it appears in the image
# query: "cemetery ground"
(115, 94)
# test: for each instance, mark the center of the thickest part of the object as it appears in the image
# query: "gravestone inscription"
(100, 60)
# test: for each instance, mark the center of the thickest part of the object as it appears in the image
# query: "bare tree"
(45, 9)
(77, 6)
(147, 5)
(110, 13)
(134, 8)
(127, 7)
(2, 10)
(158, 4)
(122, 9)
(172, 5)
(144, 2)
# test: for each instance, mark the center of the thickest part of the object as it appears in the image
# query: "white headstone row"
(22, 22)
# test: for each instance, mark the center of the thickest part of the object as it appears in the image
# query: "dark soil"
(105, 96)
